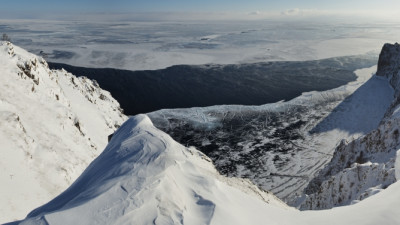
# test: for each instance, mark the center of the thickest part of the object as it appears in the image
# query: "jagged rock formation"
(389, 64)
(365, 166)
(52, 124)
(358, 169)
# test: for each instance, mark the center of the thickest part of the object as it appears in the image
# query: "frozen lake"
(156, 45)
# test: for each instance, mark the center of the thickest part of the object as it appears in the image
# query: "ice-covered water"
(155, 45)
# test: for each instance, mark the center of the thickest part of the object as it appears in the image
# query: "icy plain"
(149, 45)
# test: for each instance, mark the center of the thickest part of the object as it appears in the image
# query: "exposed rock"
(358, 169)
(389, 64)
(365, 166)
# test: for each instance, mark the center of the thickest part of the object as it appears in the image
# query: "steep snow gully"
(145, 177)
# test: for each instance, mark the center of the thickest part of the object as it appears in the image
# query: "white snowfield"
(52, 125)
(145, 177)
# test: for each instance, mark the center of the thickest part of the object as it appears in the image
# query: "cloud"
(255, 13)
(291, 12)
(304, 12)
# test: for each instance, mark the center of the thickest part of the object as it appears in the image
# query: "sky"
(195, 5)
(262, 8)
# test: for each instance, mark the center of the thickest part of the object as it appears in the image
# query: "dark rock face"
(389, 64)
(389, 67)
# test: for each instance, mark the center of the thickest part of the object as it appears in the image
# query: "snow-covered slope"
(358, 169)
(367, 165)
(52, 125)
(145, 177)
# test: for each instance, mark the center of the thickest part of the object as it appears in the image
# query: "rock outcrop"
(365, 166)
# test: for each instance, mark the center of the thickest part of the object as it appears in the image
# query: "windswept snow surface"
(281, 146)
(145, 177)
(52, 125)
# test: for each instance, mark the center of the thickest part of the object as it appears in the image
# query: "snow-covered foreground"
(145, 177)
(52, 125)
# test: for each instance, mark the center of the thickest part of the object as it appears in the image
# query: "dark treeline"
(186, 86)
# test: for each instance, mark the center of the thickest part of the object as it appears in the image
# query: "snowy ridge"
(367, 165)
(145, 177)
(52, 126)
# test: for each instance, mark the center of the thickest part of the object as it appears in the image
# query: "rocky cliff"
(365, 166)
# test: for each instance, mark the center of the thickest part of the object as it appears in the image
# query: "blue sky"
(192, 5)
(200, 9)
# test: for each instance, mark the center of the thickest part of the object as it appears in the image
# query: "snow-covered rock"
(52, 125)
(367, 165)
(389, 64)
(389, 67)
(145, 177)
(358, 169)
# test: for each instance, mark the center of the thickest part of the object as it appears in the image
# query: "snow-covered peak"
(145, 177)
(52, 125)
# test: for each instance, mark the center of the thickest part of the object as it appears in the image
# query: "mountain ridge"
(52, 125)
(365, 166)
(145, 177)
